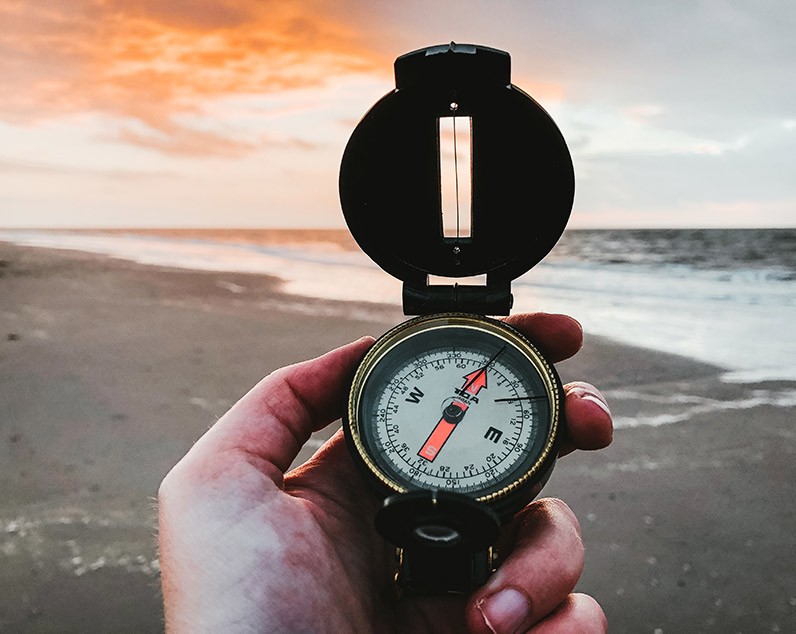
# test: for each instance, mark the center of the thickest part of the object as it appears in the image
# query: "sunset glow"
(235, 113)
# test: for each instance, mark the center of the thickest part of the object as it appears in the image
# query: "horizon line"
(345, 229)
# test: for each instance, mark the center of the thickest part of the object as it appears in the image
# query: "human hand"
(245, 546)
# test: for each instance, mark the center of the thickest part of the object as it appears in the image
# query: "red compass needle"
(439, 436)
(453, 414)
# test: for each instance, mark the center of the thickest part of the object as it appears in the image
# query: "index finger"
(558, 337)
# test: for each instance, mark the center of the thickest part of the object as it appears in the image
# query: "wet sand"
(110, 370)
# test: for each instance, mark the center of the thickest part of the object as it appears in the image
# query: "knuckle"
(550, 515)
(589, 614)
(560, 514)
(169, 483)
(550, 528)
(183, 475)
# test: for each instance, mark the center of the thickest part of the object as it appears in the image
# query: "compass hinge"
(492, 299)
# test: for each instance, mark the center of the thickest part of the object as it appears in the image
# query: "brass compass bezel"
(402, 332)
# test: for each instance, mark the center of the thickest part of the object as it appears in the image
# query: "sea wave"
(737, 313)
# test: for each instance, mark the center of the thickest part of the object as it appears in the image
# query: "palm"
(329, 501)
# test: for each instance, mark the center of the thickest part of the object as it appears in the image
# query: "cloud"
(180, 140)
(698, 185)
(24, 167)
(713, 67)
(183, 141)
(149, 61)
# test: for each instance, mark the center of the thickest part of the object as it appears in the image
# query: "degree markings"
(416, 367)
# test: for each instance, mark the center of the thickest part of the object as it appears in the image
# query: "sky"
(235, 113)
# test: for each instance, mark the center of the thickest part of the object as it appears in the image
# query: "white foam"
(683, 408)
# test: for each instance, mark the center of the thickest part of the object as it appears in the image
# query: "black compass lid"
(522, 180)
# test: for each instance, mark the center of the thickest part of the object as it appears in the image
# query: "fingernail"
(504, 611)
(597, 401)
(588, 393)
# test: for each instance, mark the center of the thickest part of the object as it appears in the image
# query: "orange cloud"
(150, 60)
(181, 140)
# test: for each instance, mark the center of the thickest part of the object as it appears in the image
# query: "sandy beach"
(110, 370)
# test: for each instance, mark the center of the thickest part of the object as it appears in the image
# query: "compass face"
(454, 403)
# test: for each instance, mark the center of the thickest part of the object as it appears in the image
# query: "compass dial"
(454, 403)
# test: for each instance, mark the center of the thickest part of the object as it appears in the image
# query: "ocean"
(723, 296)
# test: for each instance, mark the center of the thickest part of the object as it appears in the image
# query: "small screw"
(457, 250)
(454, 106)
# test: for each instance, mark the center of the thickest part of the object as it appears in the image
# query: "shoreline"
(115, 368)
(696, 310)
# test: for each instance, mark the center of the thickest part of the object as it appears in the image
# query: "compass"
(455, 403)
(453, 416)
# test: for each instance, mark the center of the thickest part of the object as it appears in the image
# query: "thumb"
(275, 418)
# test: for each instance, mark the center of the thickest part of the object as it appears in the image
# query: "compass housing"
(522, 179)
(521, 195)
(511, 488)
